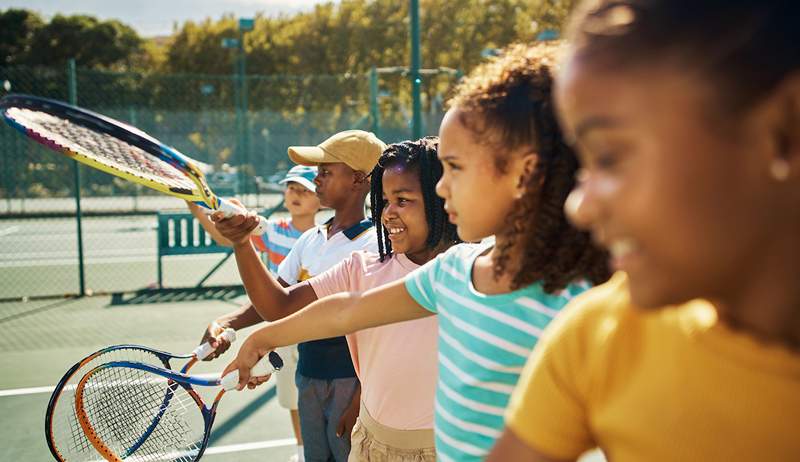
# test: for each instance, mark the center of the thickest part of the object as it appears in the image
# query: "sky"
(157, 17)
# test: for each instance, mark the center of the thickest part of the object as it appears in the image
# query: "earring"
(779, 169)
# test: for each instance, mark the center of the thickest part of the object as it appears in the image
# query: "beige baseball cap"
(358, 149)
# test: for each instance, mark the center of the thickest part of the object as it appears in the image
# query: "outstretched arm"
(331, 316)
(269, 297)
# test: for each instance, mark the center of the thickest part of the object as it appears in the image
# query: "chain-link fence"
(240, 127)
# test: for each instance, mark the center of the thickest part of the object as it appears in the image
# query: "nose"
(389, 210)
(583, 204)
(442, 188)
(317, 180)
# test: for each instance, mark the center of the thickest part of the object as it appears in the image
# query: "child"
(686, 115)
(274, 243)
(506, 173)
(396, 364)
(325, 378)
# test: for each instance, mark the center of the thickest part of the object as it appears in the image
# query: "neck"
(427, 254)
(347, 216)
(766, 302)
(303, 222)
(483, 276)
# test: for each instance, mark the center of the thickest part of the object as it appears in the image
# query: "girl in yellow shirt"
(687, 119)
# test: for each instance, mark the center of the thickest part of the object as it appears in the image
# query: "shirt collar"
(352, 232)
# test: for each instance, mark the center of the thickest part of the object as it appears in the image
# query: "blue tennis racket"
(130, 410)
(65, 438)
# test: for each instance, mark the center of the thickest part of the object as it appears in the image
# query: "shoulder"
(364, 260)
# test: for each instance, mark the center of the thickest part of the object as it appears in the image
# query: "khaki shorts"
(374, 442)
(284, 378)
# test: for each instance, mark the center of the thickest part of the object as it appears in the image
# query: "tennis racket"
(65, 438)
(113, 147)
(135, 411)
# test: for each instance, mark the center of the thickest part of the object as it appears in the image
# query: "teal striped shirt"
(484, 341)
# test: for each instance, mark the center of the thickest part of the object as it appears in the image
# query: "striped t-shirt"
(484, 341)
(276, 241)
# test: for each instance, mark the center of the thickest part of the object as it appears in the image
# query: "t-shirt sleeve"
(549, 409)
(289, 269)
(420, 283)
(336, 279)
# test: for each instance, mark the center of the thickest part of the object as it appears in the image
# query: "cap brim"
(302, 181)
(309, 155)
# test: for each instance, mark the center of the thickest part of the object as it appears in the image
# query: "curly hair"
(508, 104)
(421, 156)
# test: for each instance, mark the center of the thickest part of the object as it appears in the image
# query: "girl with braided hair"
(395, 364)
(506, 173)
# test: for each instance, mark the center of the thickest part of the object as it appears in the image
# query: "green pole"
(373, 102)
(238, 111)
(72, 85)
(416, 79)
(245, 125)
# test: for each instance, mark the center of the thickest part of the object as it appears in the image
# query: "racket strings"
(123, 404)
(68, 436)
(102, 148)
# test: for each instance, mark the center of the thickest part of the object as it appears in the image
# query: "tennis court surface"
(42, 338)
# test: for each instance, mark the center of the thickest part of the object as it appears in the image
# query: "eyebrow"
(402, 190)
(583, 128)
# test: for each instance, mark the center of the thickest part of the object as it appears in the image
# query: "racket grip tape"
(228, 209)
(270, 363)
(202, 351)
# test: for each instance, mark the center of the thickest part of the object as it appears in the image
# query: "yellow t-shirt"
(656, 385)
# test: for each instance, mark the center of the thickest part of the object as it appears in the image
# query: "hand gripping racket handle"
(202, 351)
(229, 209)
(267, 365)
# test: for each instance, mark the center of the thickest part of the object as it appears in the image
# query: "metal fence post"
(416, 79)
(72, 85)
(374, 109)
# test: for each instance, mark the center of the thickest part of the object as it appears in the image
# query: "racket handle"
(267, 365)
(228, 209)
(202, 351)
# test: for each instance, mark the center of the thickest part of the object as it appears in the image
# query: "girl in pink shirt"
(396, 364)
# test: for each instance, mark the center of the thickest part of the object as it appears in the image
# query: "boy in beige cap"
(328, 390)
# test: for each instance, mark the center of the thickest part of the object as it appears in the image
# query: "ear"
(784, 161)
(526, 168)
(360, 180)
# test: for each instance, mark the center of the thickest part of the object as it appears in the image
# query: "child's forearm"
(267, 296)
(342, 314)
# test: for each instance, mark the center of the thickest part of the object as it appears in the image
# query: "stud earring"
(779, 169)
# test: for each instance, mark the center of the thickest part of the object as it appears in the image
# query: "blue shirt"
(484, 342)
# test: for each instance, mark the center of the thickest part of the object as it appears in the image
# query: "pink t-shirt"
(396, 363)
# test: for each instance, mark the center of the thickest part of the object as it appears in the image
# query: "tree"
(17, 28)
(93, 43)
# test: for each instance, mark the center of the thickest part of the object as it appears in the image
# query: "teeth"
(395, 230)
(622, 247)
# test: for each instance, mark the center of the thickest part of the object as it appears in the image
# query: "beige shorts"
(284, 378)
(374, 442)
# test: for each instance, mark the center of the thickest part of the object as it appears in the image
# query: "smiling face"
(403, 214)
(478, 197)
(679, 194)
(300, 200)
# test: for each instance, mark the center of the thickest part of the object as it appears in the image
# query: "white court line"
(9, 230)
(251, 446)
(38, 390)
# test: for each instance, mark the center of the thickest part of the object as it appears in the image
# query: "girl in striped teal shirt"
(507, 173)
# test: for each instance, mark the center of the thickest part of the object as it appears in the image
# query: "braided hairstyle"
(420, 155)
(508, 104)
